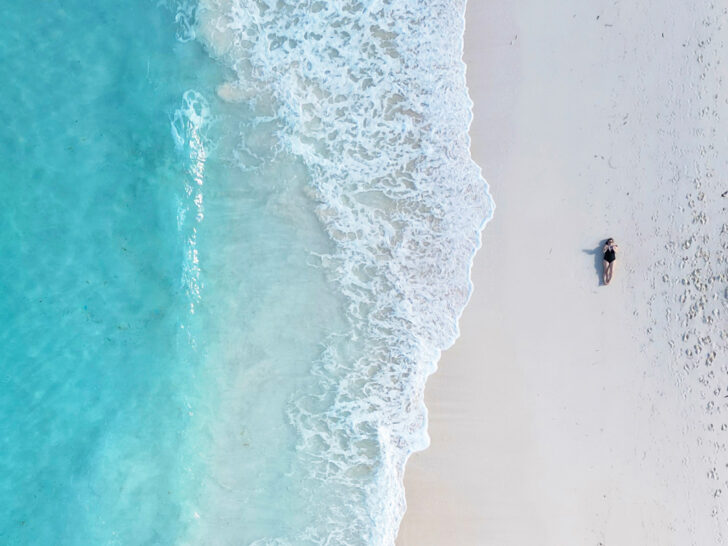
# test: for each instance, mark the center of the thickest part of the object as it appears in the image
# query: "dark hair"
(610, 240)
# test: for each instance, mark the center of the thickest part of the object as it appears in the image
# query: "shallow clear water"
(235, 238)
(95, 374)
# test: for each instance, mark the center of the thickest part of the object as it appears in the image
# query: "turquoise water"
(95, 374)
(236, 237)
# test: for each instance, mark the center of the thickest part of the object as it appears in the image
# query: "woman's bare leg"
(609, 272)
(605, 267)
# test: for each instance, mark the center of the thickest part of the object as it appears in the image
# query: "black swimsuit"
(610, 255)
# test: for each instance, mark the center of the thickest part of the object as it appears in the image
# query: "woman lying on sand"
(610, 255)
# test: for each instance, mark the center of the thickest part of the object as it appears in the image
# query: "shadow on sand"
(598, 261)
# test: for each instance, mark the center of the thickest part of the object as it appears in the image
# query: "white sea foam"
(188, 126)
(371, 95)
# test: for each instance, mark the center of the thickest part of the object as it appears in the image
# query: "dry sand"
(558, 418)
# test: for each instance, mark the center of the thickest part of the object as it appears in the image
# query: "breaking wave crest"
(371, 96)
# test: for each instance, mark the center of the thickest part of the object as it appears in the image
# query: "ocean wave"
(371, 96)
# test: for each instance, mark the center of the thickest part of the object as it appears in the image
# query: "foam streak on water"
(188, 125)
(371, 97)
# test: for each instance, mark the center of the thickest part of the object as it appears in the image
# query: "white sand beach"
(570, 413)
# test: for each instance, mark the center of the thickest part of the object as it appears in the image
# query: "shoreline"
(562, 415)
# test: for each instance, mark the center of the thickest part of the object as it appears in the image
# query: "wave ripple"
(371, 96)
